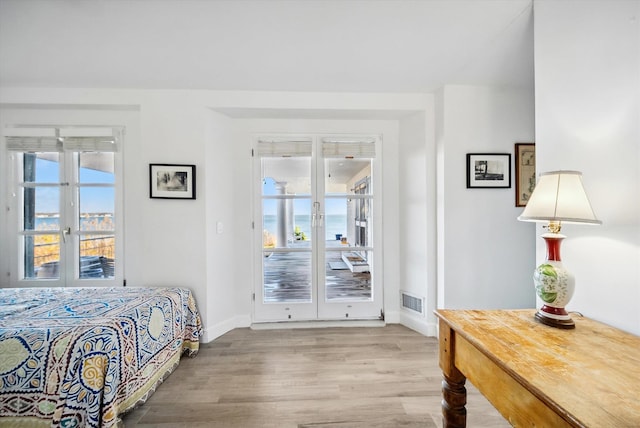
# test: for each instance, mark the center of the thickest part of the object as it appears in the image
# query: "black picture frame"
(525, 159)
(172, 181)
(488, 170)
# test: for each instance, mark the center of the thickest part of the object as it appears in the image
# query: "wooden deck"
(287, 278)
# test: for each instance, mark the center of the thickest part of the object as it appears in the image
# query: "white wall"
(226, 256)
(587, 68)
(174, 252)
(175, 243)
(485, 256)
(417, 167)
(463, 248)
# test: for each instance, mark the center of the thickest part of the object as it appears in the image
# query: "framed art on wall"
(525, 154)
(172, 181)
(488, 170)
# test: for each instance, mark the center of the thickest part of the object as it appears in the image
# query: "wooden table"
(537, 375)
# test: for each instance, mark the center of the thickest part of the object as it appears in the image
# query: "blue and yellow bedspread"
(78, 357)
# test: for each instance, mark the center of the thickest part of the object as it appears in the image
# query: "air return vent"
(412, 303)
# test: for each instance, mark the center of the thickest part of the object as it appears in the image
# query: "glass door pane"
(288, 287)
(347, 287)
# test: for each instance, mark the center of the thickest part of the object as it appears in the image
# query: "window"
(65, 202)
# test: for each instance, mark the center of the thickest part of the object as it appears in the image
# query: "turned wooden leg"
(454, 394)
(454, 398)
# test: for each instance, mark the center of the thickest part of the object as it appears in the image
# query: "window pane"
(42, 256)
(342, 176)
(287, 277)
(286, 222)
(96, 211)
(348, 275)
(97, 256)
(41, 206)
(96, 167)
(289, 176)
(336, 225)
(41, 203)
(302, 220)
(96, 208)
(41, 167)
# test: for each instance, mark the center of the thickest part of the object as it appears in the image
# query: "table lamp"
(559, 197)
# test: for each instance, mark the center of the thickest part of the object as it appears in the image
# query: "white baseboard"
(392, 317)
(419, 324)
(316, 324)
(217, 330)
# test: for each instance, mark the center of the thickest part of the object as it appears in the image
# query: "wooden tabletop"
(591, 372)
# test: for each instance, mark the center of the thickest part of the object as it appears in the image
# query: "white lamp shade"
(559, 196)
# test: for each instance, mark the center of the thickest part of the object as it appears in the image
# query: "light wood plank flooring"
(344, 377)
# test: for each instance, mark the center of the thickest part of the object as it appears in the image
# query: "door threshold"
(316, 324)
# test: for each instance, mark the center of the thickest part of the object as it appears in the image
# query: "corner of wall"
(419, 324)
(211, 333)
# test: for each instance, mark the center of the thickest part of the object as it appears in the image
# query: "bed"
(80, 357)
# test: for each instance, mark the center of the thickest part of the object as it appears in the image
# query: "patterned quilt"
(79, 357)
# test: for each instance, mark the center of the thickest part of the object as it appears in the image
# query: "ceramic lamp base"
(554, 286)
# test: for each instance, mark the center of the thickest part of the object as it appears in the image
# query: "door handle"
(316, 215)
(65, 232)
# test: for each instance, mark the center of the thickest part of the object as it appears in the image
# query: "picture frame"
(488, 170)
(172, 181)
(525, 158)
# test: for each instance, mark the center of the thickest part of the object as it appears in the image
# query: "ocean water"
(90, 222)
(334, 224)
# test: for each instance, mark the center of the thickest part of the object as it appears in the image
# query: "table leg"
(454, 400)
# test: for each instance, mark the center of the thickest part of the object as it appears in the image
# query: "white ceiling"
(271, 45)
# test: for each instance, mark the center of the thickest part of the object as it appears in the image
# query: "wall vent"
(412, 303)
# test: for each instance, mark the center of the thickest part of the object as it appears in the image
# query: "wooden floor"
(344, 377)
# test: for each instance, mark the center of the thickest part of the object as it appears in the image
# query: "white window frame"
(83, 138)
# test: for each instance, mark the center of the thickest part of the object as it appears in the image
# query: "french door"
(315, 229)
(64, 206)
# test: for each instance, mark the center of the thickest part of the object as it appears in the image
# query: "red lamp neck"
(553, 246)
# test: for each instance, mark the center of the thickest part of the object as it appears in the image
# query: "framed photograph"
(488, 170)
(170, 181)
(525, 154)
